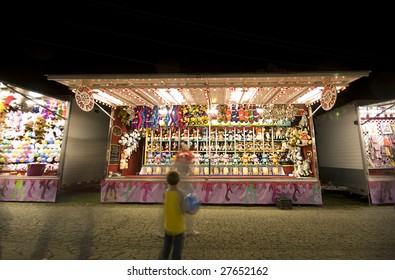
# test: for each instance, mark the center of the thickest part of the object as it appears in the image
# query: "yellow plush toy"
(123, 163)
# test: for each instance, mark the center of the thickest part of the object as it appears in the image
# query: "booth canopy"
(188, 89)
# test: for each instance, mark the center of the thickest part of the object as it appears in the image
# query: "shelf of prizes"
(31, 137)
(252, 161)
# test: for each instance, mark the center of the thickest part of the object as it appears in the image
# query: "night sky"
(73, 37)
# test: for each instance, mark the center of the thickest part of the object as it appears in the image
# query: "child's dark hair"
(172, 178)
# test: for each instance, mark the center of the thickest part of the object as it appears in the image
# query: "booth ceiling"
(176, 89)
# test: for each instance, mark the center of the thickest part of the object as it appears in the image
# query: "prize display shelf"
(223, 150)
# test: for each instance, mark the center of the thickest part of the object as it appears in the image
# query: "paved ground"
(78, 226)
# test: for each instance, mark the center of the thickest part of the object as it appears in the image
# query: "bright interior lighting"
(171, 95)
(242, 95)
(213, 110)
(34, 94)
(163, 112)
(106, 98)
(310, 96)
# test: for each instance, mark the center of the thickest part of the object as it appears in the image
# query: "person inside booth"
(183, 159)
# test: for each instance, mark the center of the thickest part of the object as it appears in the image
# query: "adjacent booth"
(363, 158)
(32, 129)
(252, 135)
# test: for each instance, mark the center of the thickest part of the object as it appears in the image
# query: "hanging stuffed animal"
(228, 114)
(235, 116)
(123, 163)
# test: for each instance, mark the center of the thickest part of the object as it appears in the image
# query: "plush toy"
(150, 159)
(234, 114)
(259, 136)
(215, 159)
(279, 134)
(197, 159)
(225, 159)
(255, 113)
(274, 159)
(303, 120)
(235, 159)
(304, 138)
(221, 115)
(306, 167)
(229, 135)
(246, 113)
(254, 159)
(245, 158)
(250, 135)
(240, 113)
(251, 114)
(221, 135)
(239, 136)
(157, 159)
(228, 114)
(123, 163)
(40, 128)
(130, 141)
(206, 159)
(184, 135)
(265, 159)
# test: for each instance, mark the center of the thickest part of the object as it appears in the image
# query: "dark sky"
(72, 37)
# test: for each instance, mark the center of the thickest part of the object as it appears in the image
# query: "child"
(173, 219)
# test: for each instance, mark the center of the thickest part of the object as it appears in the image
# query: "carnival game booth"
(252, 135)
(31, 138)
(363, 159)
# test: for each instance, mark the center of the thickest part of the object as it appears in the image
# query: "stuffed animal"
(228, 114)
(274, 159)
(206, 159)
(265, 159)
(150, 159)
(123, 163)
(197, 158)
(234, 116)
(235, 159)
(304, 138)
(221, 115)
(240, 113)
(215, 159)
(254, 159)
(245, 158)
(259, 134)
(225, 159)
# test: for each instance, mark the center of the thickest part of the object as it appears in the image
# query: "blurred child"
(173, 219)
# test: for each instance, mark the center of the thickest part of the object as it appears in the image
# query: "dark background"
(108, 37)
